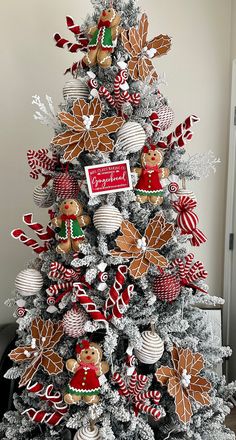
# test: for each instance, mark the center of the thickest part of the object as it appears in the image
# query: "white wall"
(198, 71)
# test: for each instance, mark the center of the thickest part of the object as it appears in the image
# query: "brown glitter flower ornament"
(142, 52)
(86, 130)
(143, 249)
(184, 383)
(45, 335)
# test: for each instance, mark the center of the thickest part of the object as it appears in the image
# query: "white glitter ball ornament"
(152, 348)
(75, 89)
(87, 434)
(43, 197)
(74, 321)
(165, 117)
(29, 282)
(107, 219)
(131, 137)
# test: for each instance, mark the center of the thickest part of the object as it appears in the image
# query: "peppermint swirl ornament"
(173, 187)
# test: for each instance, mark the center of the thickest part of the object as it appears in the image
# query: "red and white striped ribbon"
(18, 234)
(89, 305)
(63, 43)
(181, 129)
(121, 302)
(44, 235)
(41, 416)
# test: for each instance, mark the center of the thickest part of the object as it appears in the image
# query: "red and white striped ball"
(107, 219)
(152, 348)
(165, 117)
(43, 197)
(29, 282)
(166, 287)
(65, 186)
(75, 89)
(86, 433)
(74, 322)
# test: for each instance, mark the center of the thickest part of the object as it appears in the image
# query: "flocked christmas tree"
(111, 343)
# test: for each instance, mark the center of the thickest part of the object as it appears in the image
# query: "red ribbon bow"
(65, 217)
(105, 23)
(84, 345)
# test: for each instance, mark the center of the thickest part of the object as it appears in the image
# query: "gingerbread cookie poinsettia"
(45, 335)
(86, 130)
(143, 250)
(184, 381)
(142, 52)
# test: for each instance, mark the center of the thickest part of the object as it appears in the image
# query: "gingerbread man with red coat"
(149, 187)
(87, 369)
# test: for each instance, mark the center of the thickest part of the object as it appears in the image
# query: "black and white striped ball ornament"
(131, 137)
(43, 197)
(75, 89)
(29, 282)
(107, 219)
(152, 348)
(87, 434)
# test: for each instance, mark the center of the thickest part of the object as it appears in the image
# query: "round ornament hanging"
(29, 282)
(75, 89)
(43, 197)
(152, 348)
(65, 186)
(87, 434)
(131, 137)
(165, 117)
(107, 219)
(166, 287)
(74, 321)
(186, 192)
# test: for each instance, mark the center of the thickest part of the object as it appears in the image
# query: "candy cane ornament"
(182, 133)
(18, 234)
(136, 396)
(39, 161)
(190, 272)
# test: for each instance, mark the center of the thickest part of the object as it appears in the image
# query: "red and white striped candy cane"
(116, 288)
(55, 288)
(120, 79)
(189, 259)
(18, 234)
(51, 419)
(88, 304)
(60, 272)
(103, 92)
(135, 98)
(182, 140)
(182, 128)
(197, 272)
(132, 382)
(154, 395)
(121, 302)
(49, 394)
(180, 264)
(44, 235)
(142, 381)
(118, 379)
(148, 409)
(39, 160)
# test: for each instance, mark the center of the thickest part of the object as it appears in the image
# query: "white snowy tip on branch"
(202, 164)
(45, 114)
